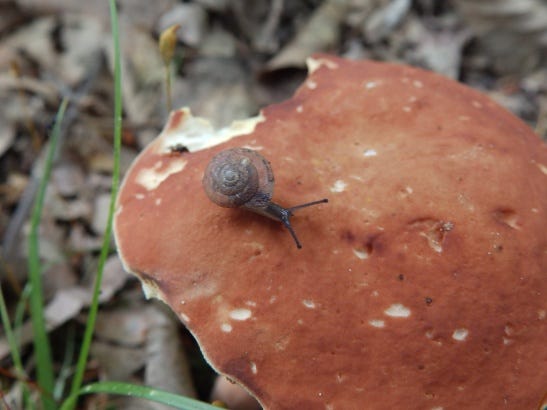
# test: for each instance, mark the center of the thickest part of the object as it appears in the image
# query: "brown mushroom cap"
(421, 285)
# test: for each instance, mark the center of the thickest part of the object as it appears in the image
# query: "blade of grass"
(67, 366)
(42, 348)
(90, 325)
(145, 392)
(12, 341)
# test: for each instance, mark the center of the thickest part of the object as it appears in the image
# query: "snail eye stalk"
(276, 211)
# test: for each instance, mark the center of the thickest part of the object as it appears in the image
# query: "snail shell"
(239, 177)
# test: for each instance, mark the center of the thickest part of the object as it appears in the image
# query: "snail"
(241, 177)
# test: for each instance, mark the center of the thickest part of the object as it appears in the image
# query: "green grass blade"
(90, 325)
(10, 336)
(145, 392)
(42, 348)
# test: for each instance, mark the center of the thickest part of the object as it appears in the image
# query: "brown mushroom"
(421, 285)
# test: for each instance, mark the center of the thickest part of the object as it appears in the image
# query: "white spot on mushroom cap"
(300, 109)
(370, 152)
(417, 84)
(151, 178)
(140, 196)
(397, 310)
(338, 186)
(226, 327)
(476, 104)
(406, 108)
(369, 85)
(312, 85)
(254, 369)
(377, 323)
(184, 318)
(310, 304)
(281, 344)
(460, 334)
(542, 168)
(361, 253)
(542, 314)
(158, 201)
(241, 314)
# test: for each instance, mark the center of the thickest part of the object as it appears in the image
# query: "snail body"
(241, 177)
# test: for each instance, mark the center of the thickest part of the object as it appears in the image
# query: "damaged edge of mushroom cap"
(315, 62)
(197, 133)
(182, 130)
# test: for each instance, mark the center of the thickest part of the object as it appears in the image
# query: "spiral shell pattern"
(238, 177)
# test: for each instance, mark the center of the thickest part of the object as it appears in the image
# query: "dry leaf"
(320, 33)
(513, 32)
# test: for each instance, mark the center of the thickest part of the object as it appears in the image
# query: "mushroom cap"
(421, 285)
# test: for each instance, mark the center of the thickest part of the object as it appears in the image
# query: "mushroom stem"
(279, 213)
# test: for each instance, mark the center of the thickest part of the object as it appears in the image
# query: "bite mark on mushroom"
(195, 133)
(542, 168)
(433, 230)
(151, 178)
(397, 310)
(315, 63)
(507, 217)
(361, 253)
